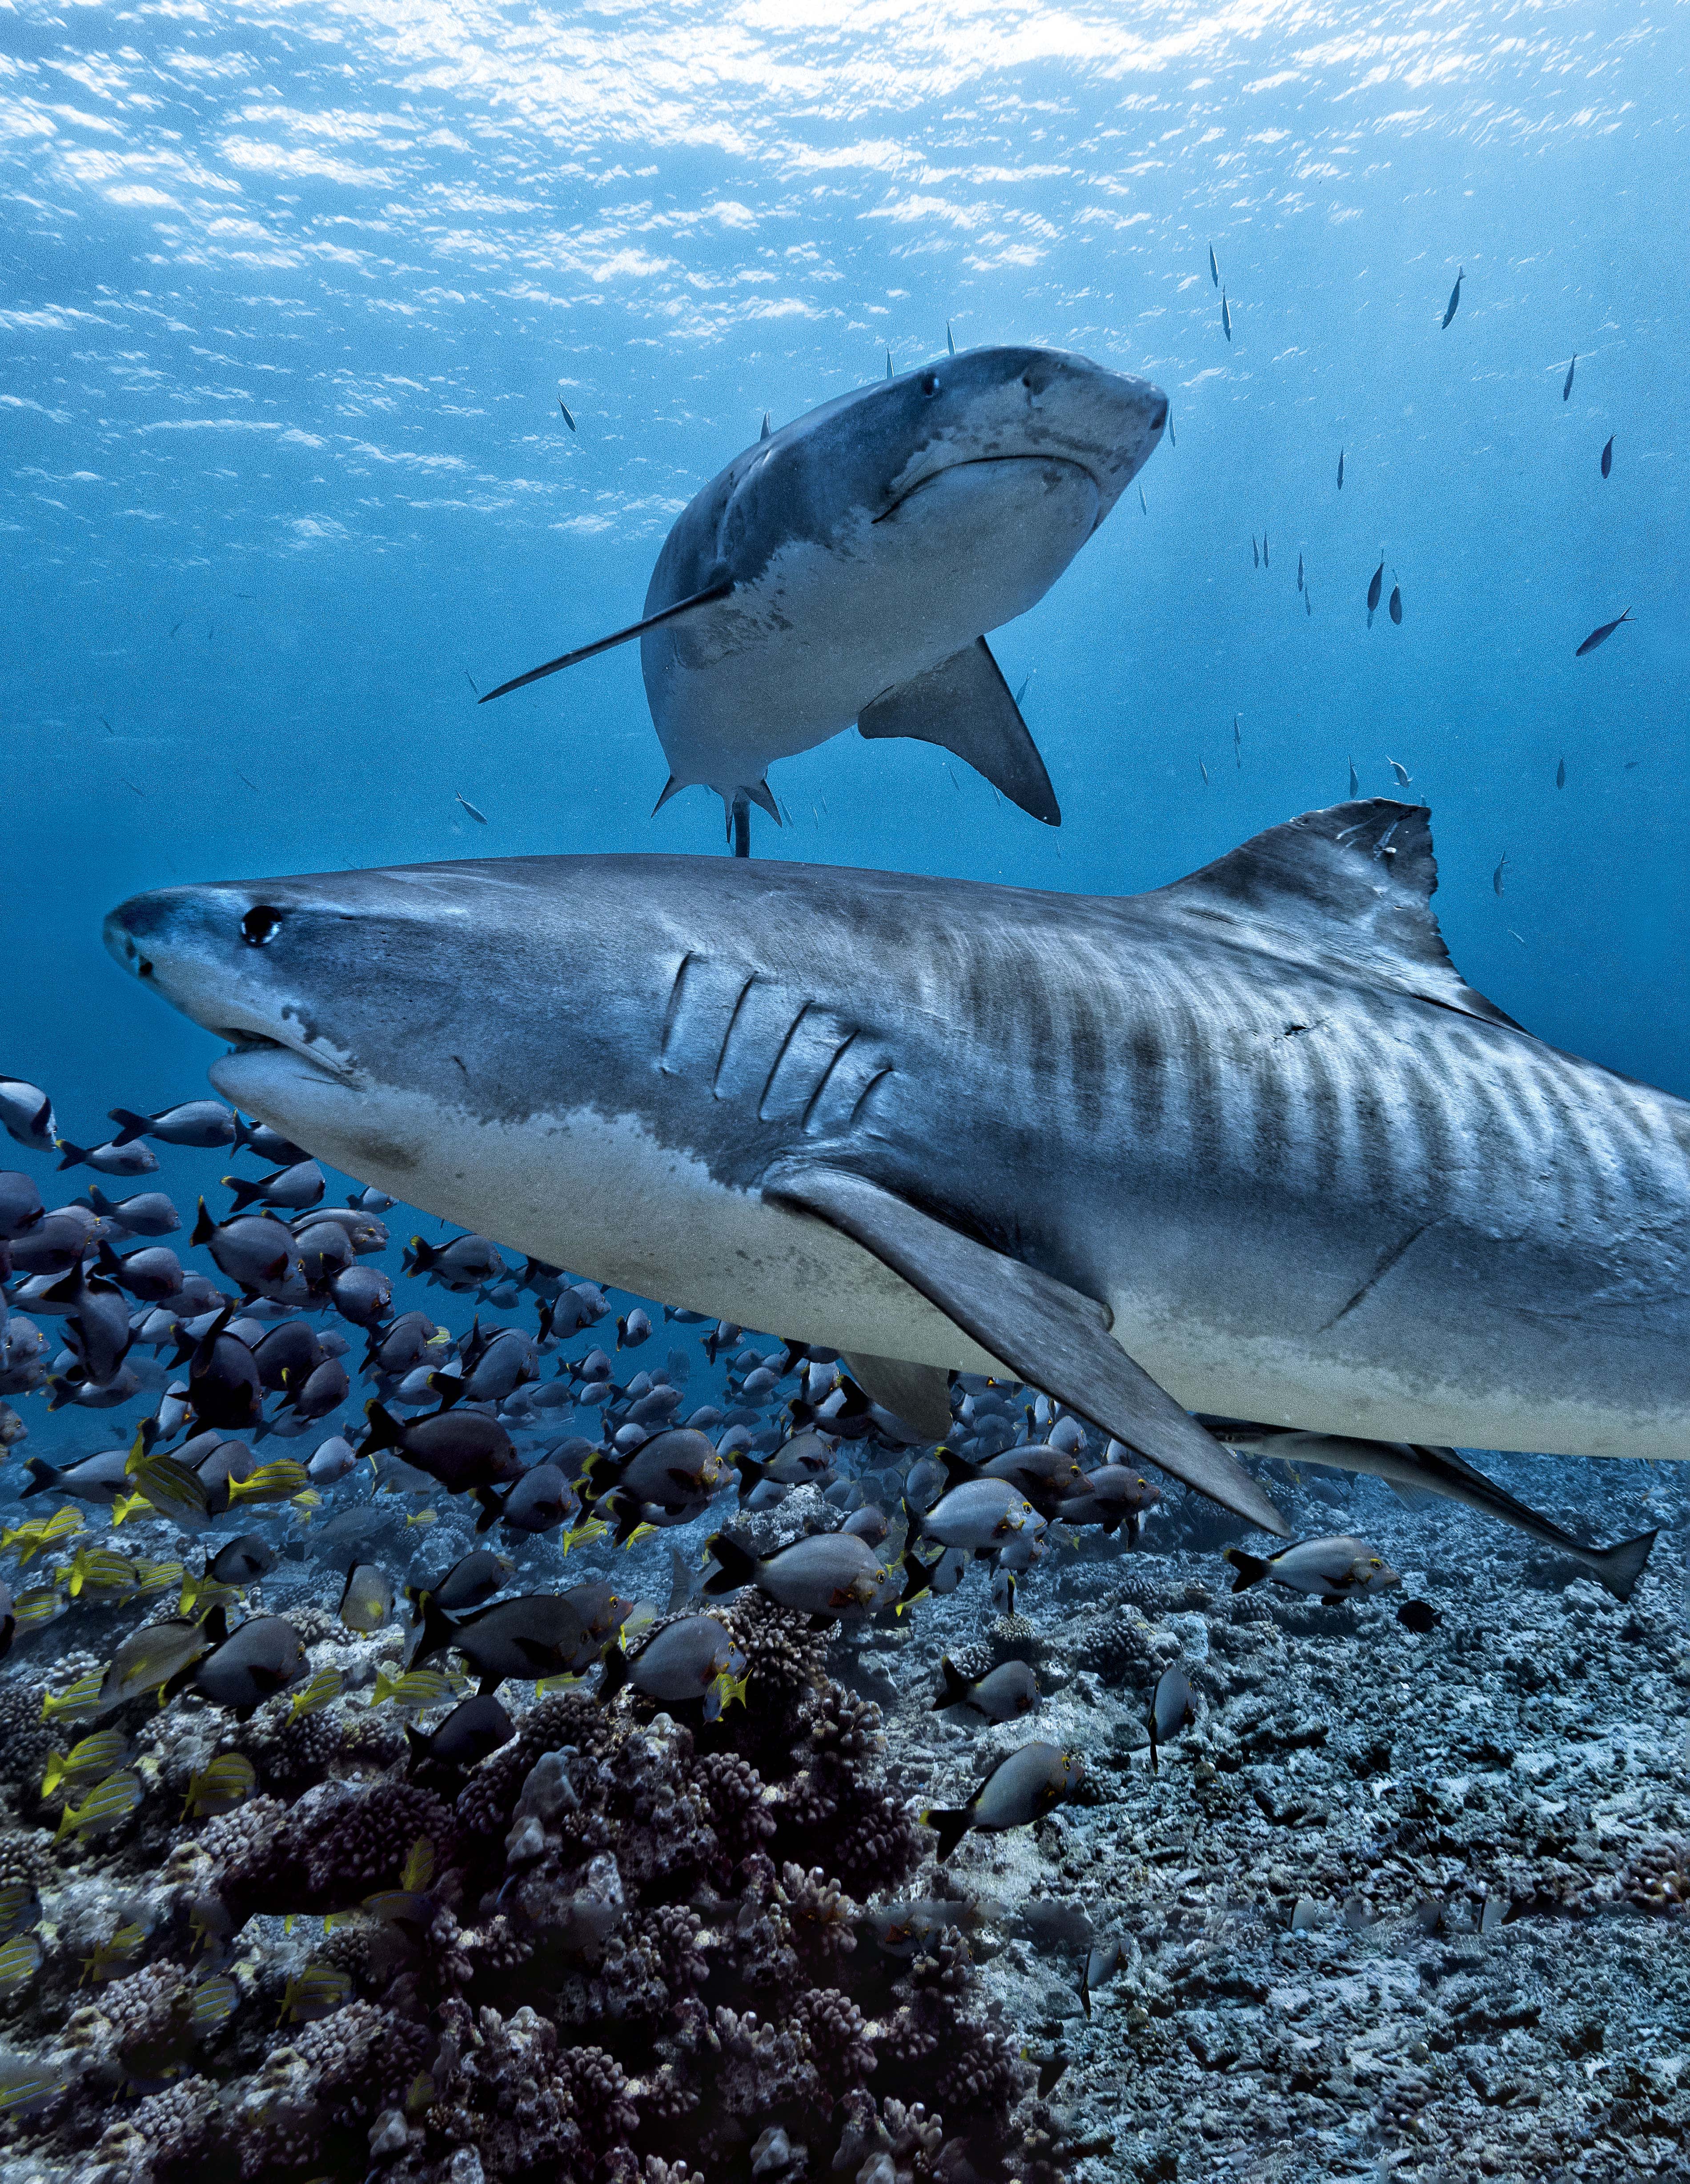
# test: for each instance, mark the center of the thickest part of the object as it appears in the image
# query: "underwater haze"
(290, 296)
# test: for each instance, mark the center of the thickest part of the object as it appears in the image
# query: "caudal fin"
(385, 1429)
(950, 1823)
(1618, 1568)
(1251, 1568)
(133, 1125)
(43, 1478)
(736, 1566)
(954, 1686)
(247, 1192)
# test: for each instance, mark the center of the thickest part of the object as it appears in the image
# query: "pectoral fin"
(919, 1394)
(1049, 1335)
(964, 705)
(608, 643)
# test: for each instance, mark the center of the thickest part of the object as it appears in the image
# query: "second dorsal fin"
(1354, 882)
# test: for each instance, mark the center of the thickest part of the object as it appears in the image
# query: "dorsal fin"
(1353, 884)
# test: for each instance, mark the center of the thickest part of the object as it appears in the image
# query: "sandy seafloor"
(1534, 1748)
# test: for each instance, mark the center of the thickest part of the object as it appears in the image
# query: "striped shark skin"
(1246, 1144)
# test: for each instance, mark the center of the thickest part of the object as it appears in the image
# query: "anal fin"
(919, 1394)
(964, 705)
(1048, 1334)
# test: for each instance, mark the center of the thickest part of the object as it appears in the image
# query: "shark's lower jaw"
(985, 464)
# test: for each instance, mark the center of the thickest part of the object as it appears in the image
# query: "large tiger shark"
(1246, 1144)
(848, 566)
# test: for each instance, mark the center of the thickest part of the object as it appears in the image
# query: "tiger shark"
(1246, 1144)
(848, 566)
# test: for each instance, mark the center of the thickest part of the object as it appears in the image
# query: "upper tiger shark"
(1247, 1145)
(848, 566)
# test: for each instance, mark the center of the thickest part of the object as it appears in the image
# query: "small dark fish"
(1172, 1708)
(1454, 296)
(1375, 587)
(567, 419)
(1225, 314)
(1255, 558)
(1204, 771)
(473, 1579)
(1567, 384)
(1266, 564)
(252, 1665)
(1171, 442)
(1397, 602)
(1497, 876)
(243, 1561)
(680, 1664)
(480, 817)
(1601, 636)
(949, 339)
(1561, 774)
(1299, 573)
(1341, 469)
(818, 1575)
(464, 1450)
(1237, 745)
(1404, 779)
(1607, 456)
(473, 1729)
(297, 1188)
(1214, 269)
(1418, 1616)
(1143, 503)
(1004, 1695)
(471, 680)
(201, 1122)
(1020, 1790)
(367, 1600)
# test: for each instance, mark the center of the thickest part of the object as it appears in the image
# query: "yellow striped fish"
(106, 1805)
(228, 1781)
(78, 1701)
(272, 1482)
(94, 1755)
(323, 1689)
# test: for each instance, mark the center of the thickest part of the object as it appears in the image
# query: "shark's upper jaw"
(170, 940)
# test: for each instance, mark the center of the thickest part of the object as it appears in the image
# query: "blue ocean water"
(290, 297)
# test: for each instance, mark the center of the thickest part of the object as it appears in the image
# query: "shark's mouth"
(984, 462)
(248, 1044)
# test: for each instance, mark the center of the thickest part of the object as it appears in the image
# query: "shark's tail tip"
(1619, 1567)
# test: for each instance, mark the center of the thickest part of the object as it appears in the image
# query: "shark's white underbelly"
(795, 657)
(604, 1196)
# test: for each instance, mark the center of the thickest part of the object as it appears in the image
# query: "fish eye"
(929, 382)
(260, 924)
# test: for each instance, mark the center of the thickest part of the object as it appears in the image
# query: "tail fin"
(958, 1469)
(736, 1566)
(385, 1429)
(1251, 1568)
(438, 1632)
(73, 1156)
(134, 1126)
(449, 1386)
(957, 1691)
(492, 1508)
(420, 1255)
(247, 1192)
(751, 1471)
(614, 1665)
(418, 1596)
(1618, 1568)
(421, 1746)
(912, 1524)
(950, 1823)
(43, 1478)
(205, 1228)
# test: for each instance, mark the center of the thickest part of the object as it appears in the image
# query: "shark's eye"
(929, 382)
(260, 924)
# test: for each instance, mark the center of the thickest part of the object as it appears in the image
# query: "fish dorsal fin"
(1350, 885)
